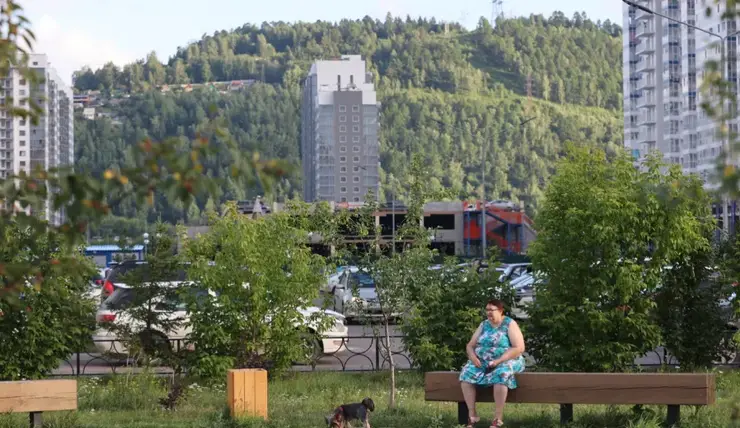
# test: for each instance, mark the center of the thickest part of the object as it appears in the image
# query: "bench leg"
(462, 413)
(36, 420)
(566, 414)
(673, 416)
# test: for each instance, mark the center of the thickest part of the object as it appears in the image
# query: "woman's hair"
(497, 303)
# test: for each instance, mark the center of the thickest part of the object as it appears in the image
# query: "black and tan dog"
(344, 414)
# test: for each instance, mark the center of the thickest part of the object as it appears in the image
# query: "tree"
(606, 231)
(152, 314)
(50, 322)
(256, 275)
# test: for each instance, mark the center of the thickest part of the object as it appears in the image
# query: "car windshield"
(362, 280)
(121, 298)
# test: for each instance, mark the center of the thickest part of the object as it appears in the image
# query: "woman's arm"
(517, 344)
(470, 347)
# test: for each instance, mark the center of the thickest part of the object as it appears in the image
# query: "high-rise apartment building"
(49, 144)
(339, 134)
(663, 72)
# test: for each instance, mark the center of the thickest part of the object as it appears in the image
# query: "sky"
(77, 33)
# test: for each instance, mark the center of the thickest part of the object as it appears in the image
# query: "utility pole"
(393, 216)
(483, 212)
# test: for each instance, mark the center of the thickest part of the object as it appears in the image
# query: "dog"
(344, 414)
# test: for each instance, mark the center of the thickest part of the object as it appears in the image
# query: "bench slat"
(587, 388)
(38, 396)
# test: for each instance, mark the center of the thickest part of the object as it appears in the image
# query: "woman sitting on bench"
(495, 355)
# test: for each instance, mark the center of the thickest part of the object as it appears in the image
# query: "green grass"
(301, 400)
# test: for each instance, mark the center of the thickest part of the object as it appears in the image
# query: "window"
(22, 82)
(355, 169)
(22, 143)
(356, 179)
(356, 199)
(342, 128)
(21, 132)
(342, 118)
(342, 108)
(342, 158)
(355, 128)
(342, 179)
(356, 159)
(356, 149)
(343, 199)
(356, 118)
(22, 153)
(355, 138)
(356, 189)
(342, 169)
(342, 138)
(356, 108)
(22, 92)
(22, 122)
(23, 163)
(342, 149)
(343, 189)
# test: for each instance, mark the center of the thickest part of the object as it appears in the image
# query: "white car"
(114, 310)
(363, 305)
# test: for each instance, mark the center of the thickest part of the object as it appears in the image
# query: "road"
(361, 352)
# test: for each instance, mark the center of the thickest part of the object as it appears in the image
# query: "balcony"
(644, 29)
(646, 83)
(647, 46)
(646, 119)
(645, 64)
(646, 101)
(647, 135)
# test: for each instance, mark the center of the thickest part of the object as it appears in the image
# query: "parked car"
(365, 303)
(114, 309)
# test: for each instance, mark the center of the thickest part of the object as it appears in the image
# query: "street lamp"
(723, 71)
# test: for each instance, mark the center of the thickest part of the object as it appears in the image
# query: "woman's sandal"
(472, 422)
(497, 423)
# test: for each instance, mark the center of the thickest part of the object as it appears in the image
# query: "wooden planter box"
(246, 392)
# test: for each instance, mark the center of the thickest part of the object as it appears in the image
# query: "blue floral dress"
(492, 343)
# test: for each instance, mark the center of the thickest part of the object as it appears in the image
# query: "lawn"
(301, 400)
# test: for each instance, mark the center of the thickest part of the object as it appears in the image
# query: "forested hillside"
(445, 91)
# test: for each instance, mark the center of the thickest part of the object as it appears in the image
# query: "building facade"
(339, 132)
(663, 63)
(48, 144)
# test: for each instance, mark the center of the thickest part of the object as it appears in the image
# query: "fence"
(352, 353)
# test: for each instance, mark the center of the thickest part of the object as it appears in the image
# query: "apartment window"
(342, 158)
(343, 189)
(22, 82)
(22, 92)
(22, 122)
(23, 163)
(356, 159)
(356, 179)
(342, 128)
(356, 108)
(356, 189)
(356, 149)
(22, 153)
(355, 138)
(342, 169)
(342, 138)
(342, 179)
(343, 199)
(342, 149)
(355, 169)
(355, 128)
(22, 143)
(342, 109)
(342, 118)
(356, 199)
(356, 118)
(21, 132)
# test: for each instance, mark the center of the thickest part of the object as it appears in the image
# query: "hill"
(445, 91)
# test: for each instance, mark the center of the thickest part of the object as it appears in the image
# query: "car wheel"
(311, 348)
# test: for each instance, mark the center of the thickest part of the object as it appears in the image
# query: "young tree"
(152, 317)
(256, 275)
(606, 230)
(51, 322)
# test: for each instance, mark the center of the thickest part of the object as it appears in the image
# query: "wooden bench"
(566, 389)
(38, 396)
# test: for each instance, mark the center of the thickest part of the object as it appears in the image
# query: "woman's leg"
(468, 390)
(499, 394)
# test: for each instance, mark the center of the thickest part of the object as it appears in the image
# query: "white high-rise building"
(49, 144)
(663, 71)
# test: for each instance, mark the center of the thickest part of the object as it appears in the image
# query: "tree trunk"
(392, 400)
